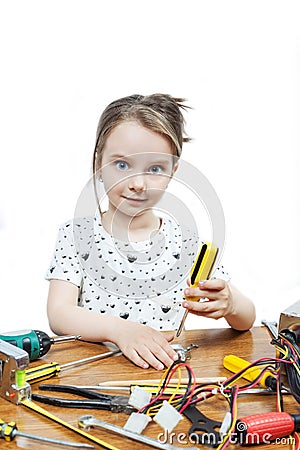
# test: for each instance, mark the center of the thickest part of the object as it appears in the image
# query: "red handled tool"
(264, 428)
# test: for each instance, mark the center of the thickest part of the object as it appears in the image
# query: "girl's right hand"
(145, 346)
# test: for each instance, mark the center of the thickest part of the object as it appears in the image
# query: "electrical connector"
(137, 422)
(139, 397)
(167, 417)
(225, 425)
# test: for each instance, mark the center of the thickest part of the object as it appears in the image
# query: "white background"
(237, 63)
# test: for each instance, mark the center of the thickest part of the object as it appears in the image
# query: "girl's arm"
(225, 300)
(141, 344)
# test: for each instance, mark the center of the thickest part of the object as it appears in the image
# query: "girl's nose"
(137, 183)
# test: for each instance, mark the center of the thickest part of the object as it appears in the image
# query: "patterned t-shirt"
(139, 281)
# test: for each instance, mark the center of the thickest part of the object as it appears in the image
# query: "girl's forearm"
(243, 317)
(89, 325)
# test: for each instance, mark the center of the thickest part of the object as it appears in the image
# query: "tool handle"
(263, 428)
(236, 364)
(42, 372)
(200, 270)
(7, 430)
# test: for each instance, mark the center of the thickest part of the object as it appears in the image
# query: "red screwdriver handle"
(263, 428)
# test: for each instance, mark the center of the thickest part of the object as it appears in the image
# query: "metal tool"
(46, 371)
(89, 421)
(205, 430)
(272, 327)
(13, 387)
(9, 430)
(200, 270)
(35, 342)
(183, 353)
(13, 362)
(91, 399)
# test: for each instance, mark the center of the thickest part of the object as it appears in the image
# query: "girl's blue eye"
(156, 169)
(121, 165)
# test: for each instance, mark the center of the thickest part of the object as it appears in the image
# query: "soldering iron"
(35, 342)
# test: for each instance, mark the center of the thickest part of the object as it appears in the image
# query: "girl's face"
(136, 167)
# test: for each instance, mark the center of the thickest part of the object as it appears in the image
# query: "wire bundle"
(286, 346)
(181, 396)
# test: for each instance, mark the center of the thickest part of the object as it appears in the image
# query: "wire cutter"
(91, 399)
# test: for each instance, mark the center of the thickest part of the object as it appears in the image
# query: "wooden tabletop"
(206, 361)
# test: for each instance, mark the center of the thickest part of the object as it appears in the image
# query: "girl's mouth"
(135, 200)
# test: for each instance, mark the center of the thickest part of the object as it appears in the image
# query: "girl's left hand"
(218, 299)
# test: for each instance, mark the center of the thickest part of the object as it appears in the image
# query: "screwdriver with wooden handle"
(200, 270)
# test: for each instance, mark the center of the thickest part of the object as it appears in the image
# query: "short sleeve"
(65, 264)
(221, 273)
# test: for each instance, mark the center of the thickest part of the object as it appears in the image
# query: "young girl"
(120, 275)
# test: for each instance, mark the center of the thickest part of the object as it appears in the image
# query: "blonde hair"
(160, 113)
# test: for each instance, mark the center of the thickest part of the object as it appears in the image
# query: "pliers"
(92, 400)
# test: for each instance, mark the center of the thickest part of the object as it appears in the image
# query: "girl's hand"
(145, 346)
(217, 299)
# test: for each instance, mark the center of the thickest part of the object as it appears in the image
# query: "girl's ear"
(174, 169)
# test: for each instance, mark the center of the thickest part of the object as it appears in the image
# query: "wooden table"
(206, 361)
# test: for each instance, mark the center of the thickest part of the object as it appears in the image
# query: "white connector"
(137, 422)
(167, 417)
(139, 397)
(225, 425)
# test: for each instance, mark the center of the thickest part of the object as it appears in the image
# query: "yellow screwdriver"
(46, 371)
(200, 270)
(236, 364)
(9, 430)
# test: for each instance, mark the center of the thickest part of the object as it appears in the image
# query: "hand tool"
(46, 371)
(13, 362)
(236, 364)
(152, 386)
(89, 421)
(9, 430)
(264, 428)
(35, 342)
(13, 387)
(205, 430)
(34, 407)
(200, 270)
(92, 400)
(272, 327)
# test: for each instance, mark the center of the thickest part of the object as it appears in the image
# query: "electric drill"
(35, 342)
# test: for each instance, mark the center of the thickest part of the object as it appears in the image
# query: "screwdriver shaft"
(51, 440)
(89, 359)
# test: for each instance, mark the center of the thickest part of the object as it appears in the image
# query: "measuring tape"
(31, 405)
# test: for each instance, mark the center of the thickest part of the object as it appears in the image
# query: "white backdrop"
(237, 63)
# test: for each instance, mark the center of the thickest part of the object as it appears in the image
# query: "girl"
(120, 276)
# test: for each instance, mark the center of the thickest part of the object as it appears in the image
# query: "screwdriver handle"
(257, 428)
(200, 270)
(7, 430)
(42, 372)
(236, 364)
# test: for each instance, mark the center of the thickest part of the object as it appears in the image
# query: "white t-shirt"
(140, 281)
